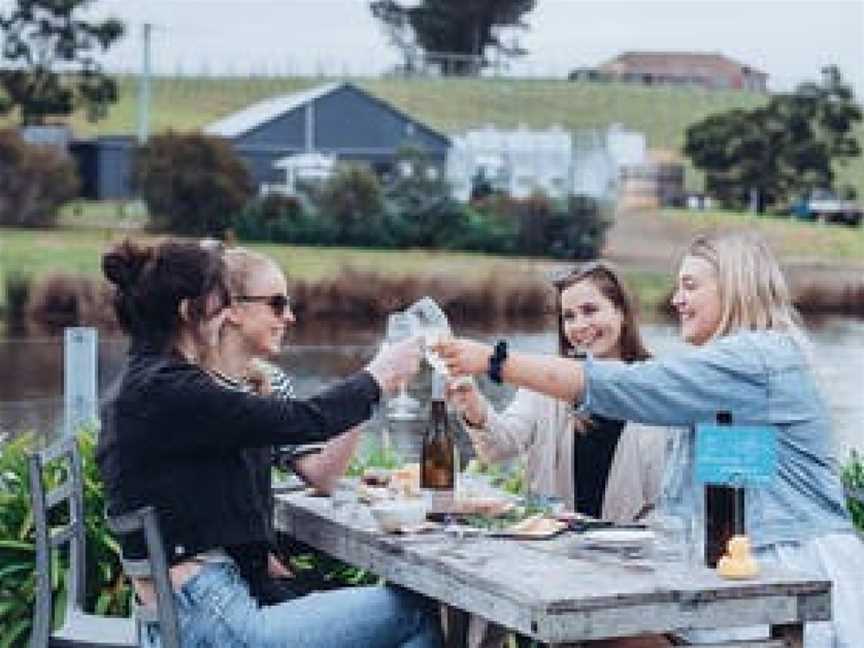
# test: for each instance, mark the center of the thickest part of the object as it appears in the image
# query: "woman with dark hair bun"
(174, 439)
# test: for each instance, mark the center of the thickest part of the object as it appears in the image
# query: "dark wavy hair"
(151, 281)
(607, 281)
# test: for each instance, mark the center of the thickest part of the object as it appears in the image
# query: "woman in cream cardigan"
(599, 467)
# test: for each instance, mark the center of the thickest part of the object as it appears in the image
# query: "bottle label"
(736, 455)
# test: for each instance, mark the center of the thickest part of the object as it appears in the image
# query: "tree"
(50, 65)
(192, 183)
(782, 150)
(446, 29)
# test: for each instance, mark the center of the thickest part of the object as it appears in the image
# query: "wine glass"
(433, 327)
(401, 407)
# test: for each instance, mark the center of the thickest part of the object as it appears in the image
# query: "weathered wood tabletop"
(557, 591)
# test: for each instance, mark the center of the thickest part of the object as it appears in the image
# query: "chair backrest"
(145, 521)
(72, 533)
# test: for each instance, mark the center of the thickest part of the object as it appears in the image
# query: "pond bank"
(501, 297)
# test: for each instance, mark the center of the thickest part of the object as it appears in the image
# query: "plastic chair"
(79, 628)
(145, 521)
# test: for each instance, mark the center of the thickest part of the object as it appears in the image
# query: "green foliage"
(353, 202)
(35, 182)
(853, 478)
(413, 209)
(107, 591)
(286, 219)
(192, 183)
(784, 149)
(574, 228)
(328, 572)
(465, 28)
(509, 478)
(420, 211)
(373, 455)
(49, 56)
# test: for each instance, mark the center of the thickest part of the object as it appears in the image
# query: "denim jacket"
(760, 377)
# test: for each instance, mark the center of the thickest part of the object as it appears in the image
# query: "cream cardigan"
(542, 429)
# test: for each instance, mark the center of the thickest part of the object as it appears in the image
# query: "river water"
(31, 372)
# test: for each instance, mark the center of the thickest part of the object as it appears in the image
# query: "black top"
(174, 439)
(593, 451)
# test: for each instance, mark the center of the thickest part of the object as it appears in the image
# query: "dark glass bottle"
(438, 456)
(724, 512)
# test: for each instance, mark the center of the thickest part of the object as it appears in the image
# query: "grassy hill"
(454, 105)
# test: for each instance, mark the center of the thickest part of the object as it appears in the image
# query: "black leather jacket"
(173, 438)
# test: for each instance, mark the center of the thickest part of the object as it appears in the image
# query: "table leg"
(456, 624)
(791, 634)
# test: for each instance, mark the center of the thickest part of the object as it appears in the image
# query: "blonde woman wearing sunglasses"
(253, 332)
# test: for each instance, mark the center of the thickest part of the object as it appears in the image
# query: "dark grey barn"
(105, 166)
(337, 119)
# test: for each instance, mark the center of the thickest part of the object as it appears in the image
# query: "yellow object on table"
(738, 561)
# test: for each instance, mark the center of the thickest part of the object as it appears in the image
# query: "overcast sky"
(788, 39)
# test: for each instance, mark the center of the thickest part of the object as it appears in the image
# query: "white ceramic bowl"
(397, 514)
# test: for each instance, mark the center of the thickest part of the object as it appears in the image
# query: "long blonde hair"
(753, 291)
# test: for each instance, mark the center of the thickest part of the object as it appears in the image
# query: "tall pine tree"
(457, 34)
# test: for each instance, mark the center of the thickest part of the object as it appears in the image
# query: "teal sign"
(736, 455)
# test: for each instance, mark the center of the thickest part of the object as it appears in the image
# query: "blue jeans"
(215, 610)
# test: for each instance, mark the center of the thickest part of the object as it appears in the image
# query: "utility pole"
(144, 88)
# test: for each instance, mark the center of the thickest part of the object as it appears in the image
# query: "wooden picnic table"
(557, 590)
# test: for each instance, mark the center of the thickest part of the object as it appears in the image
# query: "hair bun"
(122, 264)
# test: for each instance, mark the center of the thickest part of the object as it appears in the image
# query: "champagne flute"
(433, 327)
(402, 407)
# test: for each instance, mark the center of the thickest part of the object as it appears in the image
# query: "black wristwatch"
(496, 361)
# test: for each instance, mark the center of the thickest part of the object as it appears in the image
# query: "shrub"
(853, 478)
(353, 202)
(283, 219)
(58, 301)
(420, 211)
(107, 590)
(574, 228)
(35, 181)
(192, 183)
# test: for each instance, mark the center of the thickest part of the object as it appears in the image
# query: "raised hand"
(395, 363)
(468, 401)
(463, 357)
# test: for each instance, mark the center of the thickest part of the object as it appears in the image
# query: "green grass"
(77, 246)
(792, 239)
(105, 214)
(37, 253)
(454, 105)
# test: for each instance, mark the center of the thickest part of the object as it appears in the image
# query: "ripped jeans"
(215, 610)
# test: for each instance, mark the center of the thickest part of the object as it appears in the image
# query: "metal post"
(79, 377)
(144, 88)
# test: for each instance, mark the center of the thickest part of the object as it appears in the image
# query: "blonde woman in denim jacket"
(752, 359)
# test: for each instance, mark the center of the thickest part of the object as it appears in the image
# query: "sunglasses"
(277, 303)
